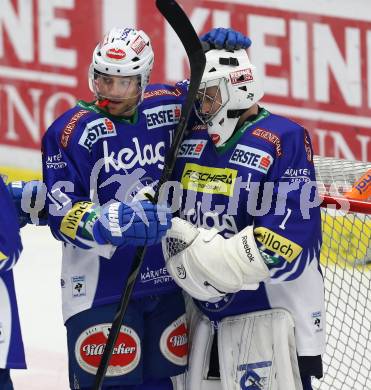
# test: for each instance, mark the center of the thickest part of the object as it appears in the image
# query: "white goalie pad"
(258, 349)
(206, 265)
(200, 338)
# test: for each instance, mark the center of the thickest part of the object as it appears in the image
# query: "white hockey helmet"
(122, 52)
(237, 87)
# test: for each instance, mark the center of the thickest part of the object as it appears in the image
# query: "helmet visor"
(115, 88)
(212, 96)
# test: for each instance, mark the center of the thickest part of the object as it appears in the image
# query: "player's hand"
(140, 223)
(226, 38)
(30, 192)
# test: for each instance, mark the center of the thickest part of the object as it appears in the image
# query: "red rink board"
(317, 68)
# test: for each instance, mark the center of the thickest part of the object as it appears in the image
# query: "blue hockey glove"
(32, 209)
(138, 224)
(226, 38)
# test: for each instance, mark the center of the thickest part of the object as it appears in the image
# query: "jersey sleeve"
(10, 239)
(67, 170)
(289, 236)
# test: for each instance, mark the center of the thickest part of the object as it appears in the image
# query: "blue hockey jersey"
(263, 176)
(11, 343)
(90, 157)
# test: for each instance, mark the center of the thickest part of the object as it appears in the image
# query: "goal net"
(346, 264)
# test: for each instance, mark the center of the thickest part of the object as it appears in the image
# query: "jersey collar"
(238, 133)
(91, 106)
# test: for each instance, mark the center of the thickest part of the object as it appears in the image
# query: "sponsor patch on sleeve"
(70, 127)
(192, 148)
(253, 158)
(270, 137)
(55, 161)
(71, 221)
(308, 146)
(95, 130)
(163, 115)
(300, 175)
(276, 243)
(162, 92)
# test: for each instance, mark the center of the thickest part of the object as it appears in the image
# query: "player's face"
(122, 93)
(210, 101)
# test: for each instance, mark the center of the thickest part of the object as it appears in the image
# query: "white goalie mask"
(124, 55)
(229, 86)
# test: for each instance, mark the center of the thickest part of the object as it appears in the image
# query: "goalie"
(246, 246)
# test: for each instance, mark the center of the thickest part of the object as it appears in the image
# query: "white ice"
(37, 278)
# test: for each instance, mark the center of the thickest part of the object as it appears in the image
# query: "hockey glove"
(226, 38)
(29, 200)
(140, 223)
(208, 266)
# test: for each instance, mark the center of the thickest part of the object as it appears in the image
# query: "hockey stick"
(180, 23)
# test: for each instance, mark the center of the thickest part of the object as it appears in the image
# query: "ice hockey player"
(11, 343)
(98, 158)
(247, 243)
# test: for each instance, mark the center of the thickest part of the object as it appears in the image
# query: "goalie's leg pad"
(258, 348)
(201, 333)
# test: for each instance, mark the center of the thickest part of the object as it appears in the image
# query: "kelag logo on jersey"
(163, 115)
(249, 157)
(207, 179)
(95, 130)
(192, 148)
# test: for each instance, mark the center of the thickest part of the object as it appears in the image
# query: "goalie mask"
(229, 86)
(121, 66)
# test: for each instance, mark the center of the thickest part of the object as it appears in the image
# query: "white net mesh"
(346, 263)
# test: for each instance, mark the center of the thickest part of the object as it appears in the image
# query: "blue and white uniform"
(242, 183)
(11, 343)
(92, 157)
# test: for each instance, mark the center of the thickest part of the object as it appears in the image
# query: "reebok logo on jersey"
(163, 115)
(192, 148)
(95, 130)
(276, 243)
(207, 179)
(249, 157)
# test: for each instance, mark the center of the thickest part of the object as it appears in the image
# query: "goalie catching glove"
(208, 266)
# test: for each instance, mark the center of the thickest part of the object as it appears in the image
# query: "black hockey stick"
(179, 21)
